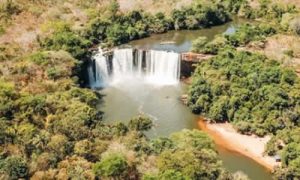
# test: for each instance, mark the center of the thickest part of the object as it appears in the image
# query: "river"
(133, 96)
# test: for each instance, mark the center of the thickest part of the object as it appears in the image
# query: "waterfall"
(99, 70)
(128, 65)
(163, 67)
(122, 63)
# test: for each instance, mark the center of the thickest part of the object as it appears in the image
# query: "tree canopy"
(248, 89)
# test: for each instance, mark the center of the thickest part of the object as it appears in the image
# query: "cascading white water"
(99, 77)
(139, 57)
(122, 63)
(163, 67)
(128, 65)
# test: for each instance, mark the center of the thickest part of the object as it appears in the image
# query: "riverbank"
(227, 137)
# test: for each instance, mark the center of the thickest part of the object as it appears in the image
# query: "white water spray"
(131, 66)
(99, 76)
(163, 67)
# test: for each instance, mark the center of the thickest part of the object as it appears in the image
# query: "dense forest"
(51, 128)
(257, 94)
(247, 89)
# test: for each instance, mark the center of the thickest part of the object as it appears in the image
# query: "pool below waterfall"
(143, 77)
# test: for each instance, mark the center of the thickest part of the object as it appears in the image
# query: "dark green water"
(183, 39)
(162, 103)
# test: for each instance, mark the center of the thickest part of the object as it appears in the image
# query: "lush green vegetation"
(118, 28)
(244, 34)
(271, 11)
(112, 27)
(67, 40)
(115, 27)
(247, 33)
(61, 135)
(51, 129)
(286, 143)
(258, 95)
(247, 89)
(282, 15)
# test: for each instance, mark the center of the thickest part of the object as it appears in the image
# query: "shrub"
(116, 34)
(199, 44)
(44, 162)
(114, 165)
(75, 121)
(213, 47)
(161, 144)
(172, 174)
(16, 167)
(247, 33)
(7, 97)
(96, 30)
(286, 21)
(83, 148)
(2, 30)
(197, 16)
(9, 8)
(295, 25)
(189, 163)
(58, 145)
(234, 5)
(75, 167)
(39, 58)
(53, 73)
(192, 138)
(68, 41)
(243, 127)
(140, 123)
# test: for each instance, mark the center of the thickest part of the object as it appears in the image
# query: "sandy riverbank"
(251, 146)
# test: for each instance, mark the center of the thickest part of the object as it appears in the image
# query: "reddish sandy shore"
(227, 137)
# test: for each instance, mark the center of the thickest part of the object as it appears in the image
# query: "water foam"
(135, 66)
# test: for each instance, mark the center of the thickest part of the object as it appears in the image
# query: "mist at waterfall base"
(136, 82)
(133, 67)
(162, 103)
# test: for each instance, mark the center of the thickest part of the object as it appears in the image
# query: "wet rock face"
(186, 69)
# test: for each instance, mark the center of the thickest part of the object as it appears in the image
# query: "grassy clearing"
(153, 6)
(285, 48)
(282, 47)
(24, 22)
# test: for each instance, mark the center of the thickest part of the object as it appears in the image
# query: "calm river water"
(162, 103)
